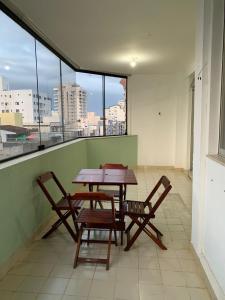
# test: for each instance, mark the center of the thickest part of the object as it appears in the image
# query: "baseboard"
(213, 286)
(22, 251)
(160, 167)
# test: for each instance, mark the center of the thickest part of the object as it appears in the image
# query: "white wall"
(158, 114)
(208, 199)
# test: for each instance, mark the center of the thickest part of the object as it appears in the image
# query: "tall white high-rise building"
(26, 103)
(73, 102)
(116, 112)
(4, 84)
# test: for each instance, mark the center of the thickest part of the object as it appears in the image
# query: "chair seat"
(63, 204)
(92, 216)
(132, 207)
(95, 216)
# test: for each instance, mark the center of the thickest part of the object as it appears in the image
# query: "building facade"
(72, 104)
(27, 103)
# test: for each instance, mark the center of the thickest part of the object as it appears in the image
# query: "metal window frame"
(38, 38)
(221, 150)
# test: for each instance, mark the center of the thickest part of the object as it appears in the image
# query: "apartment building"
(27, 103)
(73, 103)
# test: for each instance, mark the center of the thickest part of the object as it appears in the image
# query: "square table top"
(106, 176)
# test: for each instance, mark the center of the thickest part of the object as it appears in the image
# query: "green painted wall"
(22, 204)
(112, 150)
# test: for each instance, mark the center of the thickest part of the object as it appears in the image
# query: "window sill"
(217, 158)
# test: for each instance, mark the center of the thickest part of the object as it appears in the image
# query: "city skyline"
(17, 63)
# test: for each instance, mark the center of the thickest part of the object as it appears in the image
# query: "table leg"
(90, 187)
(121, 210)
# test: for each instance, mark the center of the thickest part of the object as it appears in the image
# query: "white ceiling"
(105, 35)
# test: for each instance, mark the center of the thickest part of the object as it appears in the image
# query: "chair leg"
(109, 248)
(133, 239)
(155, 229)
(88, 237)
(155, 239)
(129, 226)
(115, 236)
(63, 218)
(137, 233)
(52, 229)
(121, 237)
(78, 246)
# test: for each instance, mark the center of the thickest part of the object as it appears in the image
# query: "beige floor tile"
(64, 271)
(147, 250)
(102, 289)
(176, 235)
(11, 282)
(102, 274)
(169, 264)
(126, 292)
(189, 265)
(147, 290)
(184, 253)
(176, 293)
(199, 294)
(84, 271)
(154, 297)
(32, 284)
(171, 278)
(55, 286)
(169, 253)
(127, 262)
(78, 287)
(176, 228)
(149, 263)
(127, 275)
(194, 280)
(48, 297)
(67, 297)
(173, 221)
(6, 295)
(23, 296)
(41, 269)
(152, 276)
(21, 269)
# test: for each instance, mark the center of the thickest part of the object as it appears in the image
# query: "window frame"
(14, 17)
(221, 150)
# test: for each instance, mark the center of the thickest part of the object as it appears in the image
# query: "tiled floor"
(143, 273)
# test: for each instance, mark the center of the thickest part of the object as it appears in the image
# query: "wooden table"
(116, 177)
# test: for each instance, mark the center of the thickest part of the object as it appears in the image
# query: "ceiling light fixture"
(133, 62)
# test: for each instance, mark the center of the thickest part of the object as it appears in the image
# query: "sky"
(17, 65)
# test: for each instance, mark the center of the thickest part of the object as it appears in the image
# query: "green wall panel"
(112, 150)
(23, 206)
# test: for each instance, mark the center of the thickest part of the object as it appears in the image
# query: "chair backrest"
(93, 196)
(113, 166)
(46, 177)
(165, 183)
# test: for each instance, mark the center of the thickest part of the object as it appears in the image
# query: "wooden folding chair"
(136, 210)
(62, 207)
(114, 193)
(95, 219)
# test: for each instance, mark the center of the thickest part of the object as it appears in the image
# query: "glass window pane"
(73, 99)
(90, 111)
(115, 105)
(18, 88)
(48, 69)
